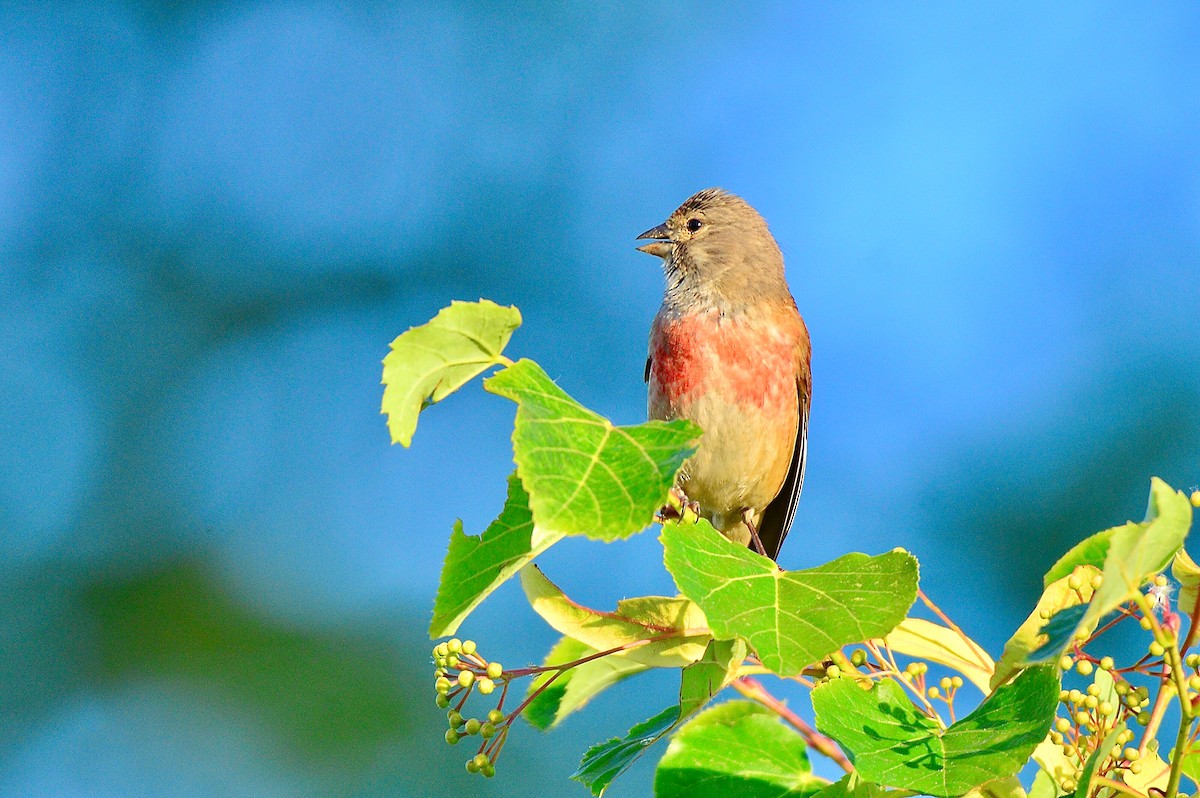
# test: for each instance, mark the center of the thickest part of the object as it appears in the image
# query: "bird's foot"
(754, 538)
(679, 508)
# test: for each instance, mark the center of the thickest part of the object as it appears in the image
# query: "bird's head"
(716, 242)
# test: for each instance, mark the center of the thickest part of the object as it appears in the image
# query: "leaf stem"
(1123, 789)
(753, 689)
(979, 653)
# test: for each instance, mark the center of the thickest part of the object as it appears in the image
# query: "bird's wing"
(646, 374)
(777, 518)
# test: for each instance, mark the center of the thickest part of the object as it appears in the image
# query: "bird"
(730, 351)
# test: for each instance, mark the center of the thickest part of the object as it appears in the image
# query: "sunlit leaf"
(931, 642)
(1187, 573)
(477, 565)
(736, 749)
(584, 475)
(1090, 551)
(1032, 635)
(1091, 767)
(676, 626)
(574, 687)
(710, 674)
(790, 618)
(605, 761)
(894, 744)
(430, 362)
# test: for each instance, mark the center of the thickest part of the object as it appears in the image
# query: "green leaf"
(430, 362)
(678, 620)
(710, 674)
(477, 565)
(790, 618)
(1139, 551)
(1092, 766)
(931, 642)
(573, 688)
(1043, 786)
(1089, 551)
(738, 748)
(1136, 552)
(584, 475)
(1187, 573)
(605, 761)
(853, 786)
(700, 682)
(1031, 635)
(893, 743)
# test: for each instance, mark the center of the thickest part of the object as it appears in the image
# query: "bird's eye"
(694, 224)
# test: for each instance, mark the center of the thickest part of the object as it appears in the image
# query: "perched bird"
(729, 351)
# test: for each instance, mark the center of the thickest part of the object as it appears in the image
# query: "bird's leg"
(758, 545)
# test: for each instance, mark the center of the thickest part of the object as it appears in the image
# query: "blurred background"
(216, 574)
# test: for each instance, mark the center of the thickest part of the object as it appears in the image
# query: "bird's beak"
(661, 246)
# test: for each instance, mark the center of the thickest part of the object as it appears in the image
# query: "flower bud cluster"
(459, 670)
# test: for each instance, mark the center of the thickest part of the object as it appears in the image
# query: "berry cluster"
(460, 671)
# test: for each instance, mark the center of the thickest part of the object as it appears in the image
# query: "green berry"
(1062, 724)
(442, 685)
(934, 692)
(1075, 696)
(1091, 702)
(1144, 622)
(455, 718)
(1068, 785)
(1194, 682)
(858, 657)
(472, 767)
(1065, 662)
(1143, 718)
(1093, 689)
(441, 650)
(487, 731)
(452, 661)
(488, 770)
(1056, 738)
(486, 686)
(1083, 718)
(1084, 667)
(481, 761)
(1131, 754)
(468, 647)
(833, 671)
(452, 737)
(495, 715)
(1097, 580)
(1160, 580)
(1063, 696)
(473, 726)
(1074, 581)
(442, 700)
(1106, 663)
(494, 670)
(1106, 708)
(945, 684)
(1121, 688)
(1135, 768)
(956, 682)
(465, 678)
(454, 646)
(1192, 660)
(1156, 649)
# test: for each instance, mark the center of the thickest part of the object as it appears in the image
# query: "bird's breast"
(749, 362)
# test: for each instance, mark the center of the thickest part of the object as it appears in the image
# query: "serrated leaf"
(1187, 573)
(477, 565)
(738, 748)
(584, 475)
(893, 743)
(605, 761)
(574, 687)
(1032, 635)
(699, 683)
(678, 621)
(430, 362)
(790, 618)
(1136, 552)
(1089, 551)
(1139, 551)
(931, 642)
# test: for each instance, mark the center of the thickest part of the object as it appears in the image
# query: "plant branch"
(753, 689)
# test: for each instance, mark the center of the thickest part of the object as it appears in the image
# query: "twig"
(753, 690)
